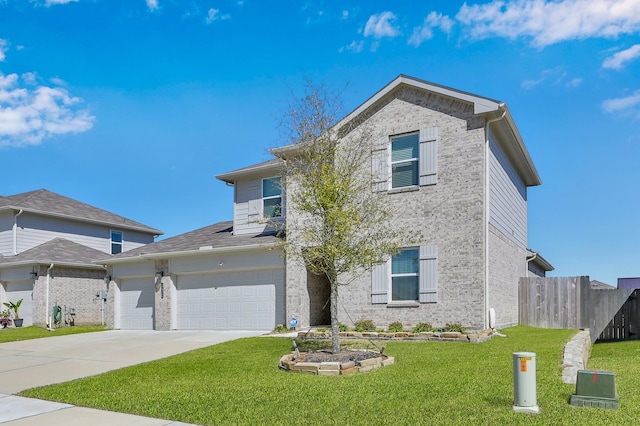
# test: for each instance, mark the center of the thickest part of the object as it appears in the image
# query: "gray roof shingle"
(58, 251)
(218, 235)
(49, 203)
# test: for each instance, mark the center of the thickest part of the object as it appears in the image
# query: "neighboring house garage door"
(17, 290)
(137, 298)
(230, 301)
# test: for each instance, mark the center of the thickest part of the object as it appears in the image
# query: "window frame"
(401, 275)
(116, 243)
(272, 197)
(411, 161)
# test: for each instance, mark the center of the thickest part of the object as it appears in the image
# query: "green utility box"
(595, 389)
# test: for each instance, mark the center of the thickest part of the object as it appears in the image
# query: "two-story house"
(48, 243)
(452, 164)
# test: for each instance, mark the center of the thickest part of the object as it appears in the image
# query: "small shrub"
(422, 327)
(343, 327)
(396, 327)
(365, 325)
(456, 326)
(322, 329)
(280, 328)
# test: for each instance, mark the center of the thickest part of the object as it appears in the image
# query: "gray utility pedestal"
(595, 389)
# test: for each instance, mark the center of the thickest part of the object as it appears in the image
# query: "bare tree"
(335, 223)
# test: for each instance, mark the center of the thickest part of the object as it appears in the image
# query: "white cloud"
(152, 4)
(381, 25)
(214, 15)
(345, 14)
(574, 82)
(618, 60)
(28, 115)
(51, 2)
(425, 31)
(549, 22)
(354, 46)
(625, 106)
(3, 48)
(552, 76)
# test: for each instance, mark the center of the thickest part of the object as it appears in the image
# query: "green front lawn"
(431, 383)
(11, 334)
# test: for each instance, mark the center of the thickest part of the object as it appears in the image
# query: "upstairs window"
(405, 271)
(404, 160)
(116, 242)
(272, 197)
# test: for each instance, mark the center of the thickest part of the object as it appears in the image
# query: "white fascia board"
(49, 262)
(480, 105)
(247, 171)
(525, 163)
(185, 253)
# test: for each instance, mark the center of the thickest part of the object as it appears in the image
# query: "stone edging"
(288, 363)
(576, 355)
(447, 336)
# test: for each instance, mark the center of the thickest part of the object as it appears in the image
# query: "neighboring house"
(48, 243)
(452, 164)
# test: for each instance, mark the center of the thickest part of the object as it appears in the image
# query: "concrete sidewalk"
(39, 362)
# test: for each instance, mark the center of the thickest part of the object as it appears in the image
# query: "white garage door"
(21, 290)
(227, 301)
(137, 298)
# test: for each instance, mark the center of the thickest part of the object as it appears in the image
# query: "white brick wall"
(450, 215)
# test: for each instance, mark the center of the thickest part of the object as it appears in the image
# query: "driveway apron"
(39, 362)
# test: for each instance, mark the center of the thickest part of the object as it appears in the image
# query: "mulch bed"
(341, 357)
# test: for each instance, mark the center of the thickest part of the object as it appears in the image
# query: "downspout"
(529, 259)
(487, 212)
(47, 302)
(15, 231)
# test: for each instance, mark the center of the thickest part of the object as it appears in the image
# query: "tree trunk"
(335, 329)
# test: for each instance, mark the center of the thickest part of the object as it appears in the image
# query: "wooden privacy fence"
(625, 323)
(569, 302)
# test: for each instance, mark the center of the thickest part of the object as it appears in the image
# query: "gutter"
(200, 251)
(487, 192)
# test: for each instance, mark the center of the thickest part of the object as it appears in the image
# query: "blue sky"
(134, 106)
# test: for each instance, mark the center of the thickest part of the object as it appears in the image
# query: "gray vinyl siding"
(6, 233)
(507, 196)
(34, 230)
(247, 210)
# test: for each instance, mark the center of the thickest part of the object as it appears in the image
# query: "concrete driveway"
(38, 362)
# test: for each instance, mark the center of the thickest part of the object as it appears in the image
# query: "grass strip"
(33, 332)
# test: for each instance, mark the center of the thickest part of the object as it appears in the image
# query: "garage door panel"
(228, 301)
(137, 300)
(21, 290)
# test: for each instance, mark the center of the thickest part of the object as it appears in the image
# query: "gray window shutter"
(255, 200)
(379, 166)
(380, 275)
(428, 274)
(428, 156)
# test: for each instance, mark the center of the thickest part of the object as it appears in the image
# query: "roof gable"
(59, 251)
(218, 236)
(49, 203)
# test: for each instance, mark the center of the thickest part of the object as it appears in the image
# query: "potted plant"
(5, 318)
(15, 307)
